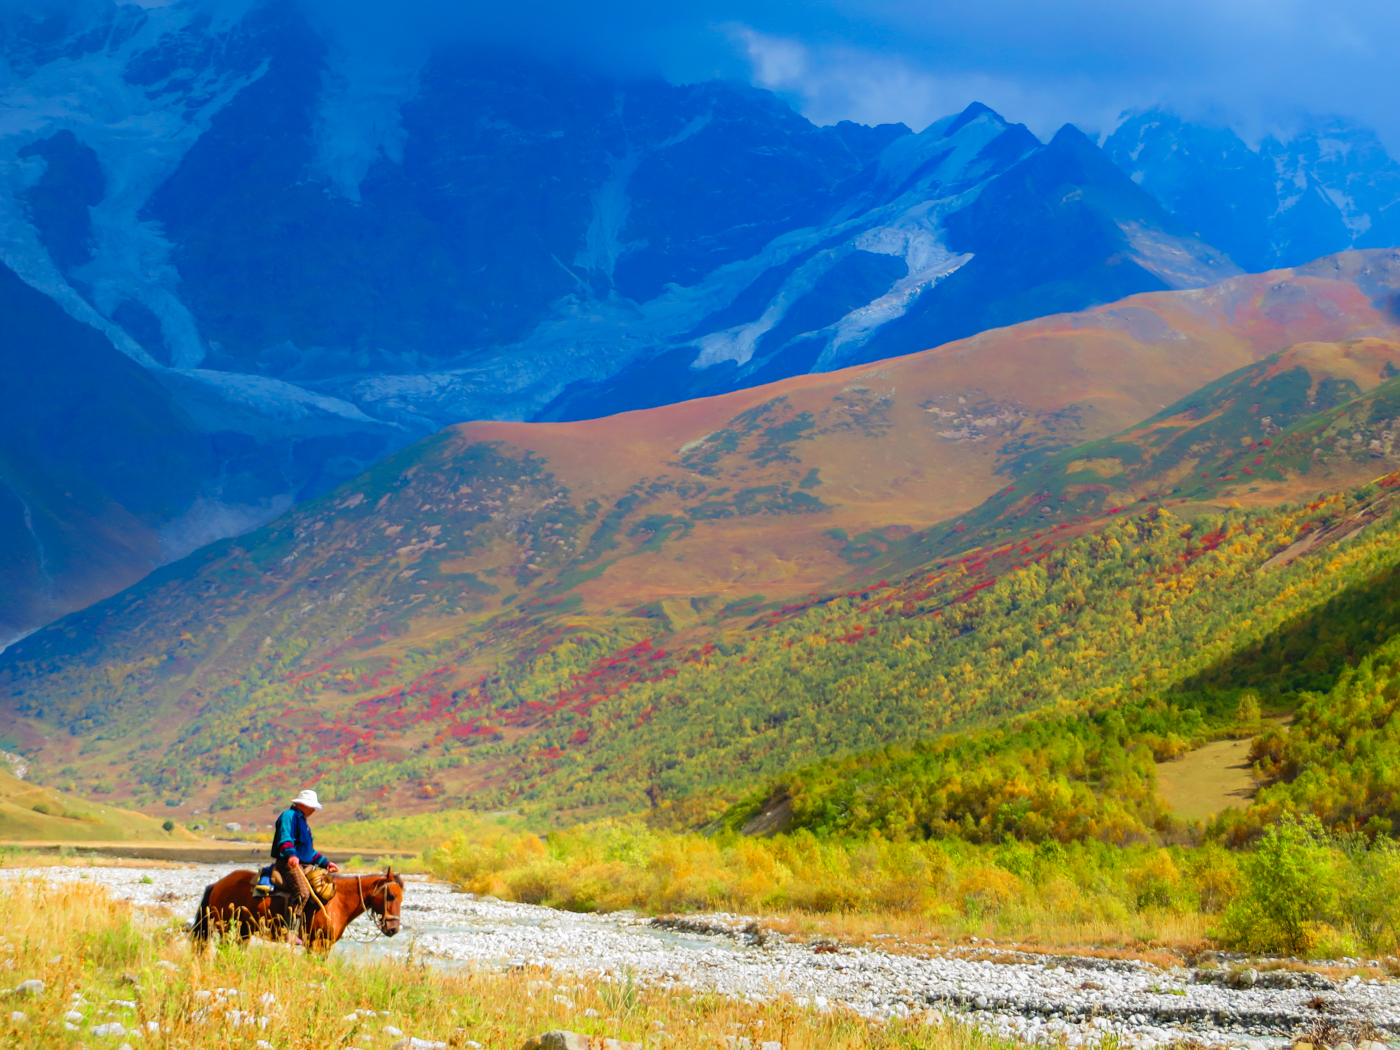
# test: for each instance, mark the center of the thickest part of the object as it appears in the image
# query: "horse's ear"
(389, 872)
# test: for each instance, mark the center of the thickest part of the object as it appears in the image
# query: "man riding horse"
(292, 852)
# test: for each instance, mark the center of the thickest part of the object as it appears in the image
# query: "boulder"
(562, 1040)
(1246, 978)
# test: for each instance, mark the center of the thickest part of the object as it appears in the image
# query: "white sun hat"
(307, 798)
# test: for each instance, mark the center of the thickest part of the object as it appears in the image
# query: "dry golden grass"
(83, 944)
(902, 896)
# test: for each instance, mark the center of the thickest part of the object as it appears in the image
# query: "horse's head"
(385, 900)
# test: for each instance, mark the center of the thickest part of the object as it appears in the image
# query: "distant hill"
(31, 813)
(1316, 416)
(467, 612)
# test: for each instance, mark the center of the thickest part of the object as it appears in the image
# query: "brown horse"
(229, 906)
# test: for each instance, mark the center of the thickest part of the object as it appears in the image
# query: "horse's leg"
(243, 905)
(218, 910)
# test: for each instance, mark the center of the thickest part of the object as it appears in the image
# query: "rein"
(378, 916)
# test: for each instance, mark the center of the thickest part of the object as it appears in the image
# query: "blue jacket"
(292, 835)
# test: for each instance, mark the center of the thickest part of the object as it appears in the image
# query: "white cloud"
(846, 83)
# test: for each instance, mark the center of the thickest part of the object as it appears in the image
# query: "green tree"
(1291, 887)
(1248, 715)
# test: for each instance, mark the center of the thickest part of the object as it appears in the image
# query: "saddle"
(318, 881)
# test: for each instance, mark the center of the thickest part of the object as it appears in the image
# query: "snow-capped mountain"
(969, 225)
(318, 254)
(223, 192)
(1329, 187)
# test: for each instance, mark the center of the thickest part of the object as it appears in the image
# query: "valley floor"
(1208, 780)
(1009, 994)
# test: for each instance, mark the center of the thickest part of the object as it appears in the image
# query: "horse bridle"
(379, 917)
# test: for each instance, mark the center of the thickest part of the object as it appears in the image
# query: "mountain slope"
(323, 254)
(969, 225)
(102, 476)
(1313, 417)
(1061, 230)
(106, 473)
(460, 570)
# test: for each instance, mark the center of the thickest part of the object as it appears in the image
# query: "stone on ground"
(562, 1040)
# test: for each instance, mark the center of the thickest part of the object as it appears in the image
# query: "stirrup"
(262, 889)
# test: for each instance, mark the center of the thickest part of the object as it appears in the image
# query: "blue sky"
(1258, 63)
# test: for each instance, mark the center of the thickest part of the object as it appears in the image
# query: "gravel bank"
(1037, 998)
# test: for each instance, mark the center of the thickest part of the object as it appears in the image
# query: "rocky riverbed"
(1037, 998)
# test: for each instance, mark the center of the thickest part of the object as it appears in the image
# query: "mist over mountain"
(294, 258)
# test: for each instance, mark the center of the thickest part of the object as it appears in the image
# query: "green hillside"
(32, 813)
(283, 659)
(1091, 774)
(1124, 613)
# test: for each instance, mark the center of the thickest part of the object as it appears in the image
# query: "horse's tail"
(200, 930)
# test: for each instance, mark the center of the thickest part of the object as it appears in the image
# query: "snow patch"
(929, 262)
(737, 344)
(9, 638)
(139, 133)
(44, 573)
(960, 161)
(1179, 262)
(261, 406)
(23, 252)
(602, 244)
(358, 118)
